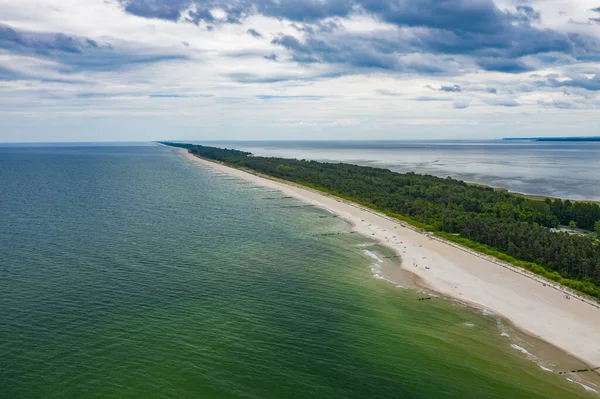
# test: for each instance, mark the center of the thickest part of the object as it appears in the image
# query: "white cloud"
(217, 88)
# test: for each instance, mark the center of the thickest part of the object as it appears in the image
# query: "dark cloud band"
(476, 33)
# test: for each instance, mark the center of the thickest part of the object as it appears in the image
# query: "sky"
(142, 70)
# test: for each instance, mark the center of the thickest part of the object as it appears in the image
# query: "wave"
(520, 349)
(530, 356)
(380, 277)
(587, 388)
(372, 255)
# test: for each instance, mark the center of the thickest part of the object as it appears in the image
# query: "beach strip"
(527, 301)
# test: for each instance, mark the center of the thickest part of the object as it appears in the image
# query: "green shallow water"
(132, 272)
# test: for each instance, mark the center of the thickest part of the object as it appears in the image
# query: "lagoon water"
(129, 271)
(556, 169)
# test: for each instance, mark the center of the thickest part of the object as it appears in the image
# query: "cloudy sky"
(118, 70)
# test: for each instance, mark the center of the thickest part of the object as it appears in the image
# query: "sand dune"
(542, 311)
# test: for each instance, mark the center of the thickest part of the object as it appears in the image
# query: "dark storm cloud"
(591, 84)
(465, 15)
(316, 27)
(74, 54)
(491, 38)
(304, 10)
(38, 43)
(480, 16)
(362, 51)
(503, 50)
(433, 37)
(155, 8)
(505, 65)
(528, 13)
(459, 89)
(173, 10)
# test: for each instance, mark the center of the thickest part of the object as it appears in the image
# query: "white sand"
(572, 325)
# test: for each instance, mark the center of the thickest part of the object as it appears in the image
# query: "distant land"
(595, 138)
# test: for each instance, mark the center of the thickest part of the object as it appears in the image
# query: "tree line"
(583, 214)
(513, 228)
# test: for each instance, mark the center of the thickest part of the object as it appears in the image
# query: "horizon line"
(289, 140)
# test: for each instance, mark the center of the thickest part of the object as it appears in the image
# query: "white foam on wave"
(468, 324)
(520, 349)
(372, 255)
(380, 277)
(329, 210)
(504, 335)
(366, 244)
(587, 388)
(376, 267)
(530, 356)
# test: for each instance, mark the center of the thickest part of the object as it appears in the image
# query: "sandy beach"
(529, 303)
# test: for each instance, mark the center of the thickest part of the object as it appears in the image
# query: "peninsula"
(471, 243)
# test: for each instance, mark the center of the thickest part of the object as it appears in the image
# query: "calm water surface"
(557, 169)
(132, 272)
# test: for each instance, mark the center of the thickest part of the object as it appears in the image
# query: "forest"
(512, 228)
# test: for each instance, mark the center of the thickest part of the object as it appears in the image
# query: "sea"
(567, 170)
(129, 271)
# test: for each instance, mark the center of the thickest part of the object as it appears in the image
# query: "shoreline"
(531, 196)
(539, 311)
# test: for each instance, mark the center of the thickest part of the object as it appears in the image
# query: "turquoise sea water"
(132, 272)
